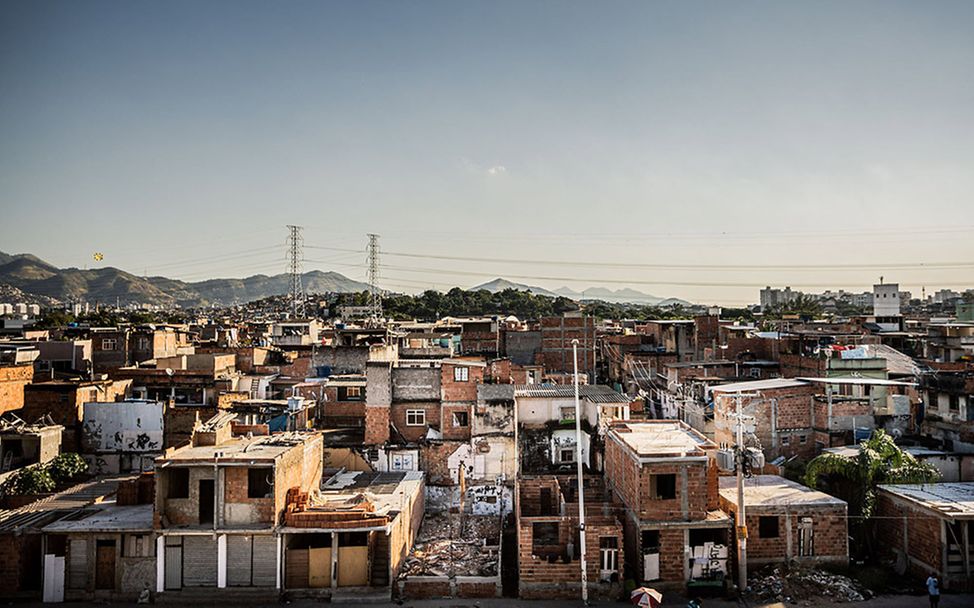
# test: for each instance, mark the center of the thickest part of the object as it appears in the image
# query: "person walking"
(933, 590)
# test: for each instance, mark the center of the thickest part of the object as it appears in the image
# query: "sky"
(690, 149)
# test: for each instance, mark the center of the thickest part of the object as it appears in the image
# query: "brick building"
(557, 334)
(549, 543)
(663, 473)
(14, 378)
(782, 409)
(787, 521)
(64, 400)
(218, 503)
(928, 528)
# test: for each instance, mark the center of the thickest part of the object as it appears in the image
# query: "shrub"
(67, 466)
(29, 480)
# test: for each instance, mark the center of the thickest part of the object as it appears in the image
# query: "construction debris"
(795, 584)
(453, 544)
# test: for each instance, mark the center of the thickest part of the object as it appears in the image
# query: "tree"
(879, 461)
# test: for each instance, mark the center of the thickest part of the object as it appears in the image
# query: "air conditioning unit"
(725, 460)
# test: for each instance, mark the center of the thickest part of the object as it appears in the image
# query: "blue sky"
(179, 138)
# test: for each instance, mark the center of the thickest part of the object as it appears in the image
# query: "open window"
(662, 487)
(178, 482)
(768, 526)
(260, 482)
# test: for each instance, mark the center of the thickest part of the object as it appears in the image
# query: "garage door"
(239, 558)
(199, 561)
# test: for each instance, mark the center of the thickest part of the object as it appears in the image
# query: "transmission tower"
(375, 298)
(295, 253)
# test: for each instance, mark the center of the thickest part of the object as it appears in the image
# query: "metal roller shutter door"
(199, 561)
(239, 552)
(265, 561)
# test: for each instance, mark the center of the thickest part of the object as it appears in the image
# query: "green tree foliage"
(29, 480)
(879, 461)
(803, 305)
(431, 305)
(67, 466)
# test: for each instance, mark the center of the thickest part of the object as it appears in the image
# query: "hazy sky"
(178, 138)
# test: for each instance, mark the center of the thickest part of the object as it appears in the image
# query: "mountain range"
(619, 296)
(33, 275)
(27, 275)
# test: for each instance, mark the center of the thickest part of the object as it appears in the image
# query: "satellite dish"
(169, 372)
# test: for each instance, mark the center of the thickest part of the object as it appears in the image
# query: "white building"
(886, 300)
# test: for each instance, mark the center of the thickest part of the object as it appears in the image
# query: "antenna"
(295, 253)
(375, 298)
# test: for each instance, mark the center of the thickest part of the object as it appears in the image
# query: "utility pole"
(740, 453)
(375, 298)
(295, 253)
(581, 488)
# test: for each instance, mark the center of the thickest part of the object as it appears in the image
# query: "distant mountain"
(35, 276)
(502, 284)
(619, 296)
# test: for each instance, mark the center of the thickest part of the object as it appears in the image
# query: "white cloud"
(497, 170)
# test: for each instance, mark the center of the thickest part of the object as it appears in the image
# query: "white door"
(53, 578)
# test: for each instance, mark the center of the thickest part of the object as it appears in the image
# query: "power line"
(611, 281)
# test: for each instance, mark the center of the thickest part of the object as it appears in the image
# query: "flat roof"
(773, 490)
(661, 438)
(948, 499)
(262, 447)
(112, 518)
(760, 385)
(384, 490)
(857, 381)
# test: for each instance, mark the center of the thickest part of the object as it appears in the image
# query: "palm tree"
(854, 479)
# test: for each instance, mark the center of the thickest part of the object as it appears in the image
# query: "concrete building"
(122, 436)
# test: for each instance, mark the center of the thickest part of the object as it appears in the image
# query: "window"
(544, 534)
(662, 487)
(415, 417)
(567, 455)
(109, 344)
(461, 419)
(768, 527)
(461, 374)
(806, 539)
(785, 440)
(179, 482)
(353, 392)
(568, 413)
(260, 482)
(609, 553)
(954, 403)
(802, 439)
(143, 343)
(402, 462)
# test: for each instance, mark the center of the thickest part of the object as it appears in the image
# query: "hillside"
(32, 275)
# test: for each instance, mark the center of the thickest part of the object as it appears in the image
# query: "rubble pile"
(451, 545)
(797, 584)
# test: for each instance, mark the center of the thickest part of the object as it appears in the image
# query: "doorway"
(207, 495)
(105, 564)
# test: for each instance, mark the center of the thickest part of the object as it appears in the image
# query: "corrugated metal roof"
(593, 393)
